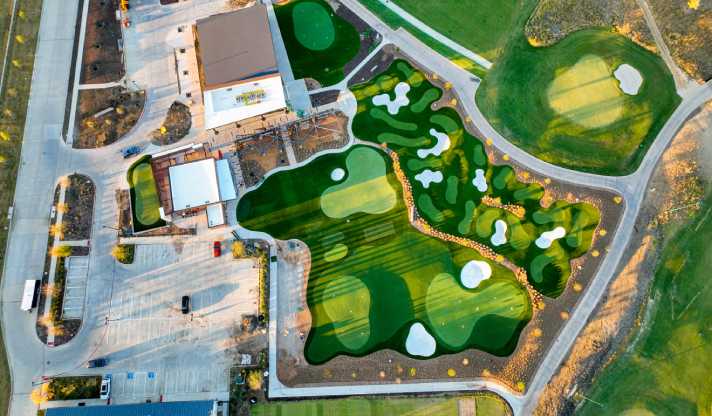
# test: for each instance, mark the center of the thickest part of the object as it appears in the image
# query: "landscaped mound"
(144, 196)
(319, 43)
(565, 105)
(375, 281)
(475, 199)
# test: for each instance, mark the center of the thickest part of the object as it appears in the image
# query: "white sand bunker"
(629, 79)
(474, 273)
(427, 177)
(394, 105)
(337, 174)
(419, 342)
(500, 233)
(479, 180)
(442, 145)
(548, 237)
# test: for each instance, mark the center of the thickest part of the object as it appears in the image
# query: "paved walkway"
(681, 80)
(480, 60)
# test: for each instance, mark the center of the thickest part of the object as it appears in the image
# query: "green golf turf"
(372, 274)
(666, 371)
(486, 404)
(481, 26)
(319, 42)
(144, 196)
(563, 104)
(454, 205)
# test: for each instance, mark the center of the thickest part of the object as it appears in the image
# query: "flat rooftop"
(234, 46)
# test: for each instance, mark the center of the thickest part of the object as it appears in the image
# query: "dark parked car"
(98, 362)
(130, 151)
(185, 304)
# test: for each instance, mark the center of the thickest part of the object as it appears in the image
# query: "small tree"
(61, 251)
(254, 380)
(123, 253)
(238, 249)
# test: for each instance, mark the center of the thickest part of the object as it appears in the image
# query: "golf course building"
(238, 71)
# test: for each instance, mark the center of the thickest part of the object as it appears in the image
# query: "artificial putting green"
(144, 196)
(319, 42)
(372, 274)
(454, 205)
(562, 103)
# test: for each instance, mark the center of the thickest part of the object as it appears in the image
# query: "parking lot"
(153, 348)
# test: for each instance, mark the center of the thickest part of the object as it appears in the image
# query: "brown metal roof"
(234, 46)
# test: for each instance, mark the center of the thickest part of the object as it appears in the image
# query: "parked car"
(130, 151)
(105, 390)
(98, 362)
(185, 304)
(217, 249)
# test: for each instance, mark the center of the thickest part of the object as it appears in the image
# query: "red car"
(217, 249)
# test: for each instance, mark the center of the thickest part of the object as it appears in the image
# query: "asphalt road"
(45, 157)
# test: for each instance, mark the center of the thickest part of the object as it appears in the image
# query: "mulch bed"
(260, 155)
(329, 132)
(324, 97)
(177, 124)
(103, 59)
(389, 366)
(369, 37)
(121, 111)
(79, 198)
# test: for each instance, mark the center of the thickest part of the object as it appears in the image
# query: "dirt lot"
(553, 20)
(103, 60)
(105, 115)
(79, 200)
(688, 34)
(387, 365)
(320, 134)
(260, 155)
(675, 180)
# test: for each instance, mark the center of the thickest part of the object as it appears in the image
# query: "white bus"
(29, 296)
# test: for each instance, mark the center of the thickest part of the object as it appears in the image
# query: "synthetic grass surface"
(390, 276)
(144, 196)
(455, 205)
(514, 98)
(481, 26)
(486, 405)
(319, 43)
(667, 372)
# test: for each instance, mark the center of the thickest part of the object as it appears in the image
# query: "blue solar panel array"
(195, 408)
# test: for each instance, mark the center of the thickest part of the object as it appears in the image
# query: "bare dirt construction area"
(79, 208)
(672, 196)
(553, 20)
(105, 115)
(327, 131)
(176, 125)
(103, 57)
(687, 29)
(388, 366)
(259, 155)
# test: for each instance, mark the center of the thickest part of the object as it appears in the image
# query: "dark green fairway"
(668, 372)
(513, 97)
(311, 58)
(394, 262)
(454, 205)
